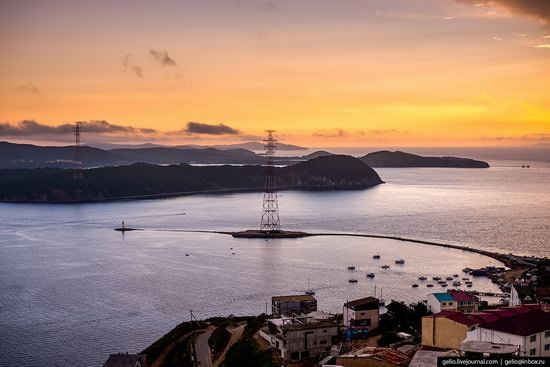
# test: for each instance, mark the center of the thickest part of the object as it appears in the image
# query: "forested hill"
(146, 180)
(399, 159)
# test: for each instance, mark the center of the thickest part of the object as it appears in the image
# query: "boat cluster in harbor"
(496, 274)
(351, 268)
(452, 280)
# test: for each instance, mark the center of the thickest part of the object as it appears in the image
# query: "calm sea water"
(72, 290)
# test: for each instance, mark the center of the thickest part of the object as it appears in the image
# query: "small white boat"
(401, 261)
(370, 275)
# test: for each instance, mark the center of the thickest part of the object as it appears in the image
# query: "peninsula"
(398, 159)
(139, 181)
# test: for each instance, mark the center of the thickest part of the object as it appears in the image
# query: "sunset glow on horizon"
(322, 72)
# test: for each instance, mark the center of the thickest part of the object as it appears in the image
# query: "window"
(533, 351)
(362, 314)
(533, 338)
(323, 342)
(547, 334)
(324, 331)
(547, 347)
(364, 322)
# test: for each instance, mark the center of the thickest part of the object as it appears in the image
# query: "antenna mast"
(270, 213)
(77, 172)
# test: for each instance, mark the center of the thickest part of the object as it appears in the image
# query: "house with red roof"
(529, 329)
(527, 326)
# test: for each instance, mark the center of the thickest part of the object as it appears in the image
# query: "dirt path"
(236, 334)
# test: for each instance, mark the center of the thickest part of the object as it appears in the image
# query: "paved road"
(202, 349)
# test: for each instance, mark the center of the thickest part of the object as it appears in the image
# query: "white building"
(452, 301)
(530, 331)
(522, 295)
(362, 313)
(438, 302)
(300, 337)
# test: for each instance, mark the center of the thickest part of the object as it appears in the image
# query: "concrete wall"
(440, 332)
(315, 341)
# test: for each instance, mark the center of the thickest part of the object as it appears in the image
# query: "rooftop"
(456, 316)
(380, 354)
(361, 302)
(300, 323)
(295, 298)
(428, 358)
(525, 324)
(443, 297)
(461, 296)
(525, 314)
(487, 347)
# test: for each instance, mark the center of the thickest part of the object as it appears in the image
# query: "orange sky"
(321, 72)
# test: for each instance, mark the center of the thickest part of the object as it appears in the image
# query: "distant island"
(14, 155)
(387, 159)
(141, 180)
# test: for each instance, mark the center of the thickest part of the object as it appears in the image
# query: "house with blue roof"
(438, 302)
(453, 300)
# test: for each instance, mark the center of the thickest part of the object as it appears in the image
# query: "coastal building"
(524, 326)
(528, 328)
(453, 300)
(374, 357)
(362, 314)
(438, 302)
(300, 337)
(446, 329)
(522, 294)
(293, 305)
(126, 360)
(472, 348)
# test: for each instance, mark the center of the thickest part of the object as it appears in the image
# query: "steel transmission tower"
(270, 213)
(77, 172)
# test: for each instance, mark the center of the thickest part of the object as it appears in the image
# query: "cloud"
(162, 57)
(128, 64)
(28, 88)
(542, 137)
(209, 129)
(31, 128)
(539, 9)
(543, 46)
(262, 5)
(338, 133)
